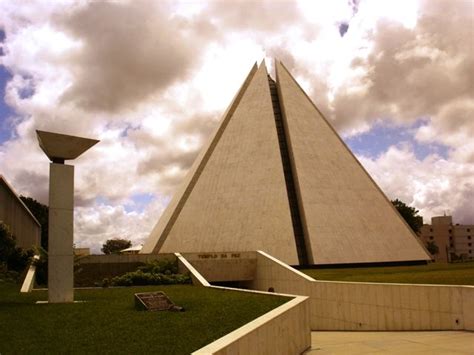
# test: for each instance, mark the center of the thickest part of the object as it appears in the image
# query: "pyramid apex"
(263, 66)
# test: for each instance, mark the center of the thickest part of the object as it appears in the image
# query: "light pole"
(58, 148)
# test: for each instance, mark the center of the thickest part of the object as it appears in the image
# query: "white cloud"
(94, 225)
(433, 185)
(152, 79)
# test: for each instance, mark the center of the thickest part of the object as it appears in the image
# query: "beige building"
(453, 241)
(82, 251)
(13, 212)
(276, 177)
(132, 250)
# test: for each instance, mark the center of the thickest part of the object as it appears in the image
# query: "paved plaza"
(427, 342)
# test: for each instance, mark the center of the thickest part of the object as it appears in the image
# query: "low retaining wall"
(275, 274)
(232, 266)
(374, 306)
(370, 306)
(284, 330)
(123, 258)
(94, 269)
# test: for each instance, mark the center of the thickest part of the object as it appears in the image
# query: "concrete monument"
(58, 148)
(275, 176)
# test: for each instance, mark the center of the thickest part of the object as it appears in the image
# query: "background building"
(82, 251)
(13, 212)
(132, 250)
(453, 241)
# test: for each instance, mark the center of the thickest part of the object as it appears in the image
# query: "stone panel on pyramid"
(234, 198)
(346, 217)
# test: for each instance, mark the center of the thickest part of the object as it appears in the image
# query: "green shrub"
(13, 259)
(8, 276)
(157, 272)
(7, 243)
(19, 259)
(105, 282)
(167, 267)
(41, 266)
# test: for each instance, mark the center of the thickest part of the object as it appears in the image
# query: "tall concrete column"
(58, 148)
(60, 238)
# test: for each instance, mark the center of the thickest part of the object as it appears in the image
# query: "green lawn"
(434, 273)
(108, 322)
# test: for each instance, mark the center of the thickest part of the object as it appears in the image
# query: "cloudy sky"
(151, 79)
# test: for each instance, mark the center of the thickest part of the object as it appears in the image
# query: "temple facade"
(275, 176)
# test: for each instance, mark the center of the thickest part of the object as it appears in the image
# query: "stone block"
(373, 317)
(415, 316)
(61, 192)
(396, 297)
(405, 297)
(435, 321)
(389, 318)
(424, 320)
(456, 300)
(380, 295)
(414, 297)
(388, 295)
(60, 278)
(406, 319)
(61, 224)
(444, 299)
(467, 294)
(433, 298)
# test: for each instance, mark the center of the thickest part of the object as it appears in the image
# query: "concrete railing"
(371, 306)
(196, 277)
(284, 330)
(29, 280)
(275, 274)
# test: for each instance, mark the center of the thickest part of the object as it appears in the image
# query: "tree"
(41, 213)
(7, 243)
(12, 258)
(432, 247)
(409, 214)
(114, 246)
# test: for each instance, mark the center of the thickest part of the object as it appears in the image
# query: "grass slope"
(434, 273)
(108, 322)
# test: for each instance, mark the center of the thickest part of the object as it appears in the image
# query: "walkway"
(428, 342)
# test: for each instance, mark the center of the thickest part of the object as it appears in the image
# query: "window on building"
(451, 245)
(469, 244)
(431, 238)
(468, 237)
(470, 251)
(450, 238)
(468, 230)
(449, 230)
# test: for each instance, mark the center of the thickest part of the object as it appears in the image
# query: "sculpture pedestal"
(60, 238)
(58, 148)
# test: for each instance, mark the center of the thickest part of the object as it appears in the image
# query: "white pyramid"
(285, 183)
